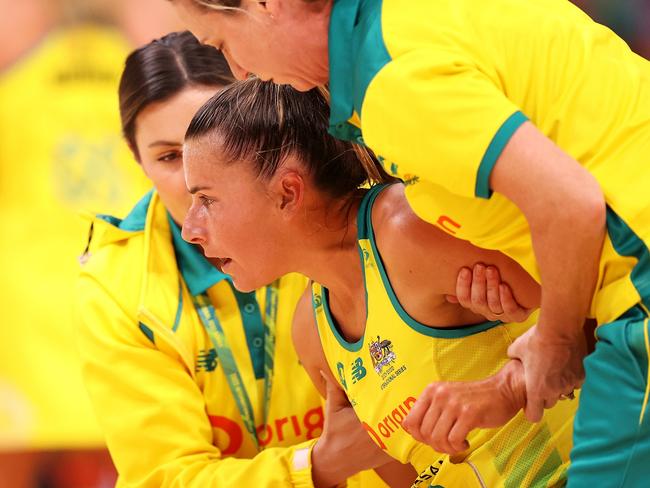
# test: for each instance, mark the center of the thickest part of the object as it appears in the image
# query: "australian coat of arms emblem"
(381, 353)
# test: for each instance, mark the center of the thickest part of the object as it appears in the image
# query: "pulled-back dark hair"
(264, 123)
(161, 69)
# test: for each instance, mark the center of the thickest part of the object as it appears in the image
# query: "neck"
(328, 252)
(312, 22)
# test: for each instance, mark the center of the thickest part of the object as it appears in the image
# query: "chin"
(243, 285)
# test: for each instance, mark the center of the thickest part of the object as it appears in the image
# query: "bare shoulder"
(401, 236)
(307, 341)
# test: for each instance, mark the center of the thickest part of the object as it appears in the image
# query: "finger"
(534, 409)
(511, 308)
(413, 421)
(451, 298)
(550, 403)
(464, 288)
(478, 288)
(493, 279)
(429, 420)
(460, 431)
(439, 437)
(514, 350)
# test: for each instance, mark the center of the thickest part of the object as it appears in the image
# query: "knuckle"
(467, 410)
(442, 392)
(479, 300)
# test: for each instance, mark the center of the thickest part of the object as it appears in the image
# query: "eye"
(205, 201)
(170, 156)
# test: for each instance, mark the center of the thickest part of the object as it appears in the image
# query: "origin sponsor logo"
(308, 427)
(391, 423)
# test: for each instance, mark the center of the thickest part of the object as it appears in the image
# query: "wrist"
(325, 472)
(559, 330)
(511, 383)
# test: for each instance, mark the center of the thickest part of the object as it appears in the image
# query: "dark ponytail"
(263, 123)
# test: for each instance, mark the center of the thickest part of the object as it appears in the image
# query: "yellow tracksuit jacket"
(155, 380)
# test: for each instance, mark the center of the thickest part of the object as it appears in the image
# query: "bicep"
(539, 177)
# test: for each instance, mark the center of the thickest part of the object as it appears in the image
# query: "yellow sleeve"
(436, 117)
(153, 414)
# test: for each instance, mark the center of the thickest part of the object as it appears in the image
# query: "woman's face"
(159, 133)
(279, 40)
(235, 216)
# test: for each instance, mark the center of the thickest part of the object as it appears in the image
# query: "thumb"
(513, 350)
(451, 298)
(335, 398)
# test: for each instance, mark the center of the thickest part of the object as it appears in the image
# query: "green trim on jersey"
(357, 24)
(627, 243)
(493, 152)
(350, 346)
(366, 232)
(530, 457)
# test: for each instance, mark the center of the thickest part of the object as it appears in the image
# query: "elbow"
(580, 210)
(593, 208)
(586, 210)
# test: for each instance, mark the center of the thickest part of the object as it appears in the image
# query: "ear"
(289, 190)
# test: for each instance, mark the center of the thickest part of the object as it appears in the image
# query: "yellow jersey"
(157, 380)
(437, 88)
(61, 153)
(384, 372)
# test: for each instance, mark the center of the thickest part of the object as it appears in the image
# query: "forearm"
(330, 468)
(568, 248)
(565, 209)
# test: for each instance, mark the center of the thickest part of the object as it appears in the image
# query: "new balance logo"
(206, 360)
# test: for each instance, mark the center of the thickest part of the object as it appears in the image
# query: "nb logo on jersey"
(358, 370)
(341, 371)
(206, 360)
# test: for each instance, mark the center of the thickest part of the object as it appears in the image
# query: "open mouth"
(220, 263)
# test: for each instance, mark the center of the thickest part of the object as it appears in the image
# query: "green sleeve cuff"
(493, 152)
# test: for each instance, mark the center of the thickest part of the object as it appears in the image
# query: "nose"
(192, 231)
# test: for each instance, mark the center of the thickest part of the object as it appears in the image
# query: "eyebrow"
(194, 189)
(165, 143)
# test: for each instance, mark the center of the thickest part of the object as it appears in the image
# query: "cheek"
(173, 191)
